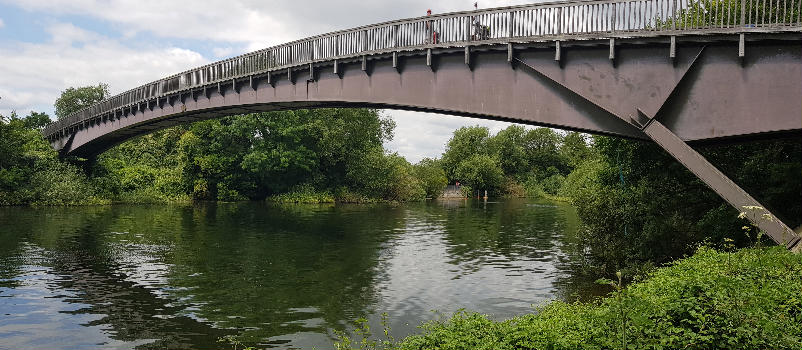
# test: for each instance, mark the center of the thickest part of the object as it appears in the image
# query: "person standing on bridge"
(480, 32)
(431, 34)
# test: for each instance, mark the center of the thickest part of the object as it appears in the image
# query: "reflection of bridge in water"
(671, 71)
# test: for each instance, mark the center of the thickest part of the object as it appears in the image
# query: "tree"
(432, 177)
(36, 120)
(30, 171)
(575, 149)
(263, 154)
(481, 172)
(508, 147)
(385, 176)
(466, 142)
(542, 149)
(75, 99)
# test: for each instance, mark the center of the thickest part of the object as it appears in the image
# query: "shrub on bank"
(303, 194)
(747, 299)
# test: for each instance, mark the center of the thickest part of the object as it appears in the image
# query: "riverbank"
(746, 299)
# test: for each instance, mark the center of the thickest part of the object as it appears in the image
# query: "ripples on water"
(275, 276)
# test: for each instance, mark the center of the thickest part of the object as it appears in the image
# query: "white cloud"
(221, 52)
(420, 135)
(1, 23)
(76, 57)
(253, 24)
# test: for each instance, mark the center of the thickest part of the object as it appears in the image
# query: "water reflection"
(182, 276)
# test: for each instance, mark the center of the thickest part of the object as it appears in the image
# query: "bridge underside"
(671, 90)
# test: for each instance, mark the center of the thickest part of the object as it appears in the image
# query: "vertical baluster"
(645, 13)
(526, 20)
(654, 15)
(713, 13)
(549, 16)
(601, 17)
(585, 19)
(604, 20)
(540, 21)
(549, 20)
(641, 15)
(799, 11)
(510, 20)
(771, 13)
(574, 19)
(590, 18)
(627, 16)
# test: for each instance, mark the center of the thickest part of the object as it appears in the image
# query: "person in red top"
(431, 35)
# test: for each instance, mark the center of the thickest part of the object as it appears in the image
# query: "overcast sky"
(49, 45)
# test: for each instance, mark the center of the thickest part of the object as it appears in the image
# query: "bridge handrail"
(585, 19)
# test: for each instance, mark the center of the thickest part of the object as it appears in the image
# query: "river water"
(287, 276)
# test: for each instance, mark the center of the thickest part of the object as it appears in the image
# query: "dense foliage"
(514, 162)
(747, 299)
(326, 153)
(30, 171)
(638, 205)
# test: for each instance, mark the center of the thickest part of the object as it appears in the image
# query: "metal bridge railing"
(546, 21)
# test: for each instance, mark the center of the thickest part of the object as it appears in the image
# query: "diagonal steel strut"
(696, 163)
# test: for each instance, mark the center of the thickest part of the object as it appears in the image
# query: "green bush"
(431, 176)
(747, 299)
(32, 173)
(60, 183)
(513, 189)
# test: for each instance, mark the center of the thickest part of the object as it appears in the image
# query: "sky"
(47, 46)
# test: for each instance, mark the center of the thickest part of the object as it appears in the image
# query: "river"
(287, 276)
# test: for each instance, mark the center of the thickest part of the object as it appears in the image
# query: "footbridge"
(676, 72)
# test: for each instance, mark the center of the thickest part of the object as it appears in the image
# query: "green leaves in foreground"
(748, 299)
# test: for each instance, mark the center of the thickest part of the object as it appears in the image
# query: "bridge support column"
(716, 180)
